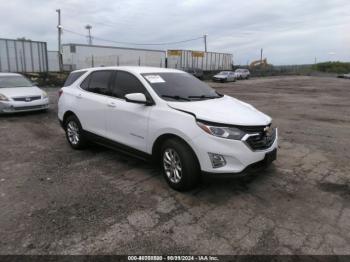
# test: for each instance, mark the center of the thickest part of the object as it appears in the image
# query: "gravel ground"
(55, 200)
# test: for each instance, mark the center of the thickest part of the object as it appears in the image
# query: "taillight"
(60, 92)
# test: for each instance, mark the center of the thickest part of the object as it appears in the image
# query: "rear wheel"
(74, 132)
(179, 165)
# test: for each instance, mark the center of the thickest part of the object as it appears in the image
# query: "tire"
(180, 166)
(74, 133)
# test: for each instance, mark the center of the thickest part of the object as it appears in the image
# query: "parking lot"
(55, 200)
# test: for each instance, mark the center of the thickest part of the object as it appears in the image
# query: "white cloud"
(291, 32)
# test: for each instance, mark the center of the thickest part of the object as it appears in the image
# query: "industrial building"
(77, 56)
(26, 56)
(23, 56)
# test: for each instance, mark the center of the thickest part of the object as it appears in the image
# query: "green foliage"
(332, 67)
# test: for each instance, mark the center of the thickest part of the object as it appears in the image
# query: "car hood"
(224, 110)
(220, 76)
(21, 91)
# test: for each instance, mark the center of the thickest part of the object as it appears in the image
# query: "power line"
(131, 43)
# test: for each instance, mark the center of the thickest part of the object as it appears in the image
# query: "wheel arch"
(66, 115)
(157, 145)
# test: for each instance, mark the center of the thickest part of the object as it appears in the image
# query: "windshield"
(14, 81)
(180, 87)
(224, 73)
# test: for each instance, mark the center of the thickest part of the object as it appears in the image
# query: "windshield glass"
(179, 87)
(224, 73)
(14, 81)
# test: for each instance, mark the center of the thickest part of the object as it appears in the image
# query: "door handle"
(111, 104)
(79, 96)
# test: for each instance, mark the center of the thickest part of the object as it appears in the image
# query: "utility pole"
(261, 55)
(205, 42)
(59, 28)
(88, 27)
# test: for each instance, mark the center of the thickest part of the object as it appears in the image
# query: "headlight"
(3, 98)
(223, 132)
(44, 95)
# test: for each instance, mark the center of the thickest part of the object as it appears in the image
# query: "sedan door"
(127, 122)
(91, 100)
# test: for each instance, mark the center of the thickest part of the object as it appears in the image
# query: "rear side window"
(126, 83)
(98, 82)
(73, 77)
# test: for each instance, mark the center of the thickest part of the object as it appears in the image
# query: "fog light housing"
(217, 160)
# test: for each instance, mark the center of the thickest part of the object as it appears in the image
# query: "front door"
(127, 123)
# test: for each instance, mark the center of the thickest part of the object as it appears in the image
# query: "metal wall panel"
(53, 61)
(209, 61)
(78, 56)
(23, 56)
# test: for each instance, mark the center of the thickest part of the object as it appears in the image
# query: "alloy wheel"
(73, 132)
(172, 165)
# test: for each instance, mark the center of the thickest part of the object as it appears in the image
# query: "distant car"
(224, 76)
(18, 94)
(195, 72)
(242, 73)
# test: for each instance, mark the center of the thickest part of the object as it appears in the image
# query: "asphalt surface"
(54, 200)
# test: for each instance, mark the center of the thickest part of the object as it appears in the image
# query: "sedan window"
(14, 81)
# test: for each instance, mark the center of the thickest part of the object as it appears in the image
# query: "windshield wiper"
(177, 97)
(204, 96)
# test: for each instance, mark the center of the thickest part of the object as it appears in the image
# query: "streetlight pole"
(205, 42)
(59, 30)
(88, 27)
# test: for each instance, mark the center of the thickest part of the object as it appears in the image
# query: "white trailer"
(78, 56)
(53, 61)
(23, 56)
(207, 61)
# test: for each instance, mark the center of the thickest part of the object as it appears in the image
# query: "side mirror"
(137, 98)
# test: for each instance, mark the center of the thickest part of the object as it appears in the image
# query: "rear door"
(127, 123)
(92, 101)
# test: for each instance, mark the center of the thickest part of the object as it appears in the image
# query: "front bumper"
(9, 107)
(238, 155)
(216, 79)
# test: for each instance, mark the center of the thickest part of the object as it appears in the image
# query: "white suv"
(166, 115)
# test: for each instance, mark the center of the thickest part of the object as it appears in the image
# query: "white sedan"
(18, 94)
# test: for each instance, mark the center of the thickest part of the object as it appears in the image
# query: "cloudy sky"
(289, 31)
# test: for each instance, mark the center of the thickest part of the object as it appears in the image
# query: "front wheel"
(179, 165)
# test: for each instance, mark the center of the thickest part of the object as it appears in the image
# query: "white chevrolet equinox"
(169, 116)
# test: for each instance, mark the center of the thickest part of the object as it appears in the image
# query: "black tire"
(81, 142)
(190, 170)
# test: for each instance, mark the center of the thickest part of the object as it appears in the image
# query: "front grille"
(262, 140)
(27, 98)
(29, 107)
(253, 129)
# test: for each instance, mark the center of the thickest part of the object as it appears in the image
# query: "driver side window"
(125, 83)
